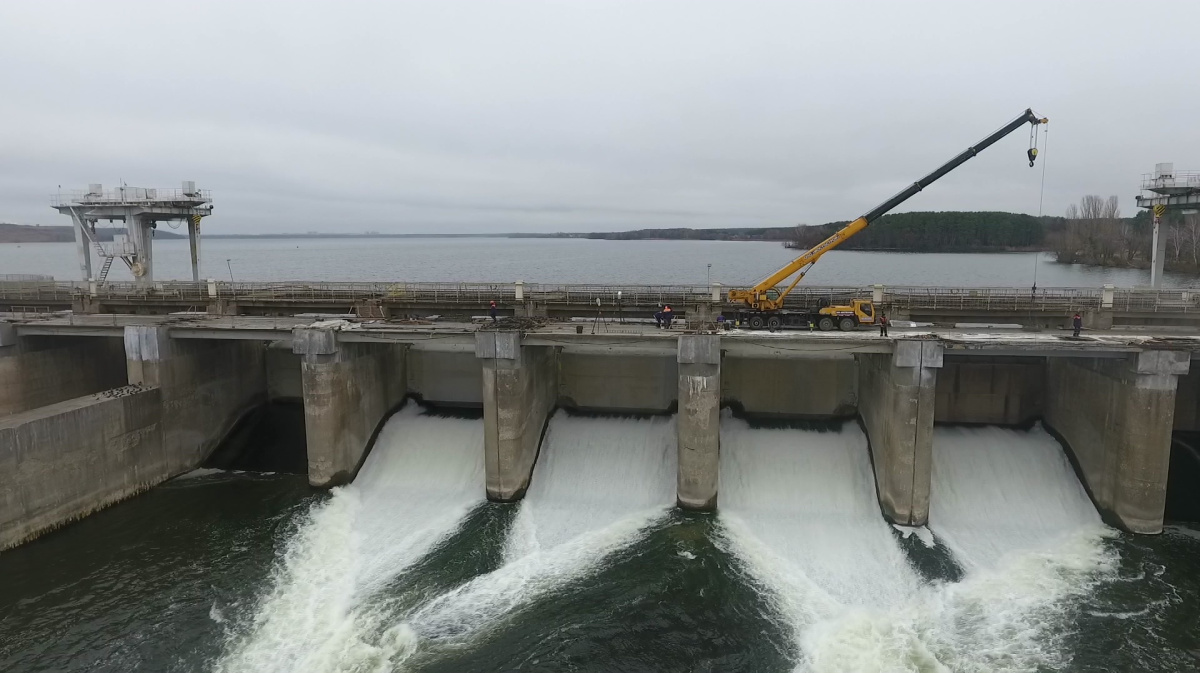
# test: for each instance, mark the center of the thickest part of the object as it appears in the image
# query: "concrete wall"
(1116, 416)
(607, 383)
(206, 386)
(519, 394)
(812, 388)
(449, 378)
(284, 379)
(697, 425)
(993, 390)
(66, 460)
(36, 371)
(349, 389)
(896, 402)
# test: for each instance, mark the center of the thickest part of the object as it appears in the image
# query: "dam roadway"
(97, 407)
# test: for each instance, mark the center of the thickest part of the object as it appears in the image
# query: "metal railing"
(131, 195)
(908, 298)
(1176, 180)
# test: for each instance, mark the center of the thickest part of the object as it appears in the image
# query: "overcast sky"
(574, 116)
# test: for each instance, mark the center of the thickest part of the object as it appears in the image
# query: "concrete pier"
(349, 389)
(697, 424)
(520, 387)
(1116, 415)
(896, 401)
(205, 386)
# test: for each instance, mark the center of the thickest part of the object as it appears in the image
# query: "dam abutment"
(349, 390)
(520, 389)
(698, 422)
(1116, 416)
(896, 403)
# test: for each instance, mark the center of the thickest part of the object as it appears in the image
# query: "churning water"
(326, 610)
(408, 569)
(799, 509)
(598, 483)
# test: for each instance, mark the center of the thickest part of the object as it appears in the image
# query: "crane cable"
(1041, 196)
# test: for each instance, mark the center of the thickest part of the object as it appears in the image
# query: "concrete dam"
(96, 408)
(917, 498)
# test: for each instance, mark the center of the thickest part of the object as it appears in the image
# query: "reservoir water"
(409, 569)
(504, 260)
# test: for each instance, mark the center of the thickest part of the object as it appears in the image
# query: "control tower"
(141, 210)
(1163, 191)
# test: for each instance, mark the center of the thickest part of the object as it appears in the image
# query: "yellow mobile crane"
(765, 302)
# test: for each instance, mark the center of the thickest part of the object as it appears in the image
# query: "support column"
(207, 385)
(137, 229)
(698, 423)
(193, 226)
(896, 399)
(520, 387)
(349, 391)
(1116, 416)
(82, 246)
(1158, 254)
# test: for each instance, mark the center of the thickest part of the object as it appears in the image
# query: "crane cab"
(846, 317)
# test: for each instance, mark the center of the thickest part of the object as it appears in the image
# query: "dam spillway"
(1113, 401)
(353, 584)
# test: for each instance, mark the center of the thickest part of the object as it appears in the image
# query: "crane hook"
(1032, 155)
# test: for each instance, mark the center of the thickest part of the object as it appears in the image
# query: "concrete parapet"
(798, 388)
(1116, 416)
(896, 401)
(63, 461)
(626, 383)
(519, 392)
(206, 385)
(450, 378)
(349, 390)
(37, 371)
(698, 422)
(991, 390)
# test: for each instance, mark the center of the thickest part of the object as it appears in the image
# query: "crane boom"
(757, 297)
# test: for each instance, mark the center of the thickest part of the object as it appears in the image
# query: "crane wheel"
(825, 324)
(774, 323)
(756, 322)
(846, 324)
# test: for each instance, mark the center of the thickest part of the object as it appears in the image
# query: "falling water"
(799, 509)
(325, 610)
(598, 483)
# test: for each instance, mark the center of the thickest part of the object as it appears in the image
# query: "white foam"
(598, 483)
(322, 612)
(998, 493)
(799, 509)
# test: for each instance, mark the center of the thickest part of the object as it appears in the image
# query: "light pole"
(230, 267)
(710, 275)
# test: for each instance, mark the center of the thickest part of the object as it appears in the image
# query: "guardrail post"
(519, 290)
(877, 293)
(716, 292)
(1106, 297)
(212, 288)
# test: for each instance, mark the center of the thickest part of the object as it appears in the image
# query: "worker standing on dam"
(1076, 323)
(883, 325)
(492, 311)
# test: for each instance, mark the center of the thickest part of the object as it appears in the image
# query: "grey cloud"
(568, 116)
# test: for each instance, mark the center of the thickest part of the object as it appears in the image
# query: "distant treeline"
(21, 233)
(937, 232)
(684, 234)
(1093, 232)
